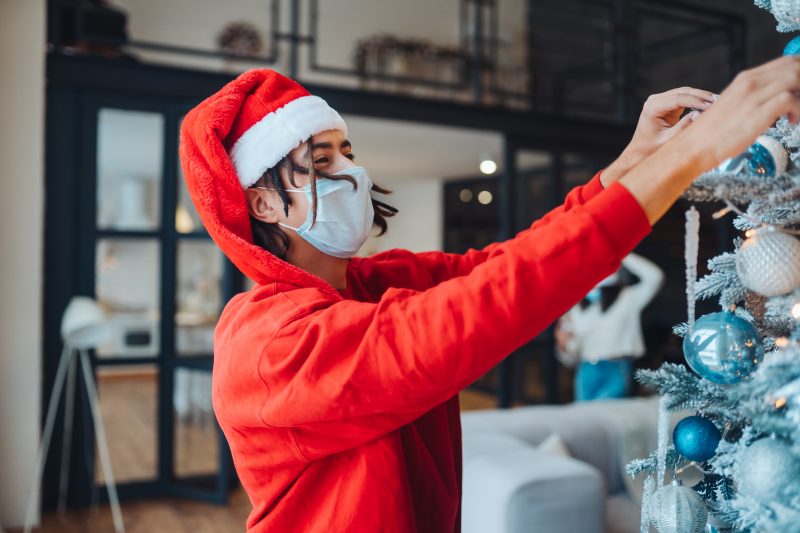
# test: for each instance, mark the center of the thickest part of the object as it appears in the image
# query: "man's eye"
(321, 161)
(351, 156)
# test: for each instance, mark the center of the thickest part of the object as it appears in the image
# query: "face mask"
(344, 214)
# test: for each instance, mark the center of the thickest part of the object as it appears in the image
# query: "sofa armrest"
(511, 487)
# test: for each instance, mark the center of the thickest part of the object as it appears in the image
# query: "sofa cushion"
(606, 434)
(509, 486)
(589, 438)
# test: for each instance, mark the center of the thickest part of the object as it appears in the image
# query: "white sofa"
(510, 486)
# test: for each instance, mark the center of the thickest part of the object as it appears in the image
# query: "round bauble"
(767, 471)
(768, 262)
(696, 438)
(723, 348)
(767, 157)
(792, 47)
(678, 509)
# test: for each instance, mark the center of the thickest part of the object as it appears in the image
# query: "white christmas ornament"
(767, 470)
(787, 13)
(678, 509)
(768, 262)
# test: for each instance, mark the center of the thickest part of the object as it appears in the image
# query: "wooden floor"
(128, 407)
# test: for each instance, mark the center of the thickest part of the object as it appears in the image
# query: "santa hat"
(276, 116)
(227, 142)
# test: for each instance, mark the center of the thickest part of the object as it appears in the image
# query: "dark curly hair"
(271, 237)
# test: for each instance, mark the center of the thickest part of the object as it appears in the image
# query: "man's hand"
(749, 105)
(563, 335)
(659, 122)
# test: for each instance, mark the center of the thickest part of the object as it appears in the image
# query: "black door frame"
(71, 185)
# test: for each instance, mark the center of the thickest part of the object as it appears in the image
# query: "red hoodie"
(341, 407)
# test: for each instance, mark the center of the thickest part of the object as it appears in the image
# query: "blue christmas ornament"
(760, 161)
(696, 438)
(766, 157)
(723, 348)
(793, 47)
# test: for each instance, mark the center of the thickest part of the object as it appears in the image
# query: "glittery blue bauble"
(793, 47)
(696, 438)
(723, 348)
(760, 161)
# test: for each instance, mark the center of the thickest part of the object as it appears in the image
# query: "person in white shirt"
(603, 333)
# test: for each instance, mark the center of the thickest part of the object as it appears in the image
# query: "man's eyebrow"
(328, 146)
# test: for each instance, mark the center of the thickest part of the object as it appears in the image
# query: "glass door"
(162, 282)
(530, 181)
(543, 179)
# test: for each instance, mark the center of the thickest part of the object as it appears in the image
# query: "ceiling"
(396, 151)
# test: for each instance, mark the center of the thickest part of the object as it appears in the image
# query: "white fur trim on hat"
(267, 141)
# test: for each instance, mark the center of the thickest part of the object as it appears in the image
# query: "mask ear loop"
(313, 181)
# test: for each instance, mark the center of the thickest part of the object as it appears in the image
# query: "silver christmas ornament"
(767, 471)
(678, 509)
(768, 262)
(787, 13)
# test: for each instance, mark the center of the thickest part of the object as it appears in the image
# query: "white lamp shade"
(84, 325)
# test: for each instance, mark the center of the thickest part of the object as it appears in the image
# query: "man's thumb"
(682, 124)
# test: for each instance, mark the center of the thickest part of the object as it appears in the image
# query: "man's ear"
(260, 205)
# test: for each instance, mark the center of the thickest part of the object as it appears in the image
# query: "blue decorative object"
(761, 161)
(793, 47)
(723, 348)
(696, 438)
(766, 157)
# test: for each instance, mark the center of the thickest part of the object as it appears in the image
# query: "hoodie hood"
(207, 134)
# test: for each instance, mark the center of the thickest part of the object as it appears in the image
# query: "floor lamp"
(84, 326)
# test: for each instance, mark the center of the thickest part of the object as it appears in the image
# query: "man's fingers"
(785, 103)
(788, 80)
(700, 93)
(678, 101)
(682, 124)
(772, 68)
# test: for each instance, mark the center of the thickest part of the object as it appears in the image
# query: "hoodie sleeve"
(443, 266)
(343, 374)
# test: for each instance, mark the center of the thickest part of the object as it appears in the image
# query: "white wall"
(22, 37)
(418, 225)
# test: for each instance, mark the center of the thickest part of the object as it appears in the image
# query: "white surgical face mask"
(344, 214)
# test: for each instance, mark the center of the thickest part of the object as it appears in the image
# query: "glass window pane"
(199, 298)
(580, 168)
(130, 146)
(535, 185)
(127, 286)
(196, 434)
(128, 398)
(186, 218)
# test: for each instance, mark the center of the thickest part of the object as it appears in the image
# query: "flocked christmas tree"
(744, 382)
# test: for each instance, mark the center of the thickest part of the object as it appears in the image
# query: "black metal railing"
(581, 57)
